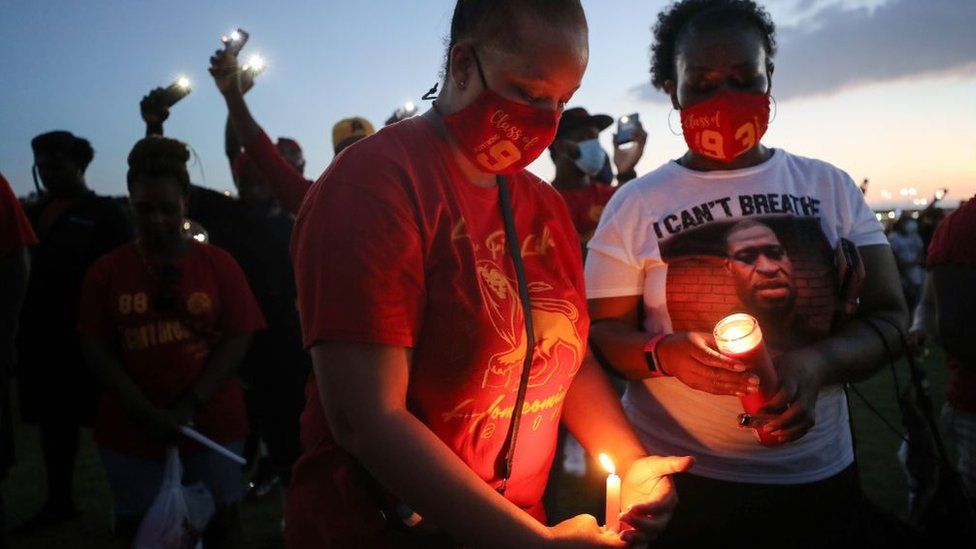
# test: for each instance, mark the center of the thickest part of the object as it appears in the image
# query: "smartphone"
(234, 43)
(174, 92)
(626, 127)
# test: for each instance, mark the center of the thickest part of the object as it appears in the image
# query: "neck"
(753, 157)
(444, 105)
(165, 252)
(569, 179)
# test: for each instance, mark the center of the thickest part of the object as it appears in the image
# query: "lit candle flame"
(607, 464)
(737, 333)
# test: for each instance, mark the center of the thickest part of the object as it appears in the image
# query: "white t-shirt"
(700, 245)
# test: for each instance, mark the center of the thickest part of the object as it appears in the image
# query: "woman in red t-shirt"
(164, 324)
(411, 308)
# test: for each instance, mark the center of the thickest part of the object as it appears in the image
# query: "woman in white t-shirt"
(733, 226)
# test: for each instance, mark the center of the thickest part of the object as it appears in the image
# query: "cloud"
(841, 47)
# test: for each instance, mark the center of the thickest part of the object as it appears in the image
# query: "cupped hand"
(648, 496)
(227, 73)
(794, 406)
(692, 358)
(627, 155)
(582, 531)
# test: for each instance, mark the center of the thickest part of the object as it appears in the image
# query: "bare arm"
(110, 373)
(14, 274)
(593, 414)
(223, 362)
(363, 391)
(688, 356)
(287, 184)
(853, 353)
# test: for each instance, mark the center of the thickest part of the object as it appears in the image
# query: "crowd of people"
(397, 345)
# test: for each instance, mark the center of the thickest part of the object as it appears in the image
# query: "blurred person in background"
(164, 324)
(16, 238)
(74, 227)
(909, 252)
(580, 159)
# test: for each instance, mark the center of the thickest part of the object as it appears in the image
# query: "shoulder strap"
(512, 241)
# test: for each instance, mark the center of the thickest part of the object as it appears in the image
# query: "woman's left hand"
(792, 410)
(648, 497)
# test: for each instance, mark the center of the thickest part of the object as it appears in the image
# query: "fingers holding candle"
(689, 357)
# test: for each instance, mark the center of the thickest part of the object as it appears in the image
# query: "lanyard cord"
(512, 240)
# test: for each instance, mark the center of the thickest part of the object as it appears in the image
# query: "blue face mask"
(591, 157)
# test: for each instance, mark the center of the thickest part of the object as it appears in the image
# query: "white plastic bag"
(179, 513)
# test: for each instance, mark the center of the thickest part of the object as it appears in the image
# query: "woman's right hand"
(582, 531)
(692, 358)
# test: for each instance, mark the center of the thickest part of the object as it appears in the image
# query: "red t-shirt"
(953, 243)
(165, 351)
(586, 205)
(15, 229)
(288, 184)
(395, 246)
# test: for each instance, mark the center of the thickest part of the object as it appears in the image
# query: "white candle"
(613, 494)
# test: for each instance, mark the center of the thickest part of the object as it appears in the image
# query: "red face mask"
(500, 136)
(726, 125)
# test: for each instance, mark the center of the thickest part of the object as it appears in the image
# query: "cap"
(577, 117)
(348, 128)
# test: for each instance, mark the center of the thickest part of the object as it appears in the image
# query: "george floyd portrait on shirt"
(779, 269)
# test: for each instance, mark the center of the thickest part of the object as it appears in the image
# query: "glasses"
(749, 255)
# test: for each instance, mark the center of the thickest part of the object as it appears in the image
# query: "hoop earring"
(670, 127)
(775, 109)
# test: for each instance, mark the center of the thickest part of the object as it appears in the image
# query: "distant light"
(624, 119)
(886, 193)
(891, 215)
(903, 192)
(913, 191)
(183, 82)
(186, 225)
(410, 106)
(226, 193)
(879, 216)
(200, 237)
(914, 215)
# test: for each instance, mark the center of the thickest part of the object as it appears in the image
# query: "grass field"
(23, 491)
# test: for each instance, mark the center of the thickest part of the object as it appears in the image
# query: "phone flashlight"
(176, 91)
(940, 194)
(234, 43)
(255, 65)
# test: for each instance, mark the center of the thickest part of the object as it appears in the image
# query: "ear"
(770, 68)
(462, 65)
(671, 88)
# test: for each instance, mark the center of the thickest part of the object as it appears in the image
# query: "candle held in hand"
(740, 337)
(613, 494)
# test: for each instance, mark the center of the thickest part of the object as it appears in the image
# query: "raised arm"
(287, 184)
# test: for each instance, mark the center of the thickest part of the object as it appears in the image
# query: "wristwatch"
(650, 355)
